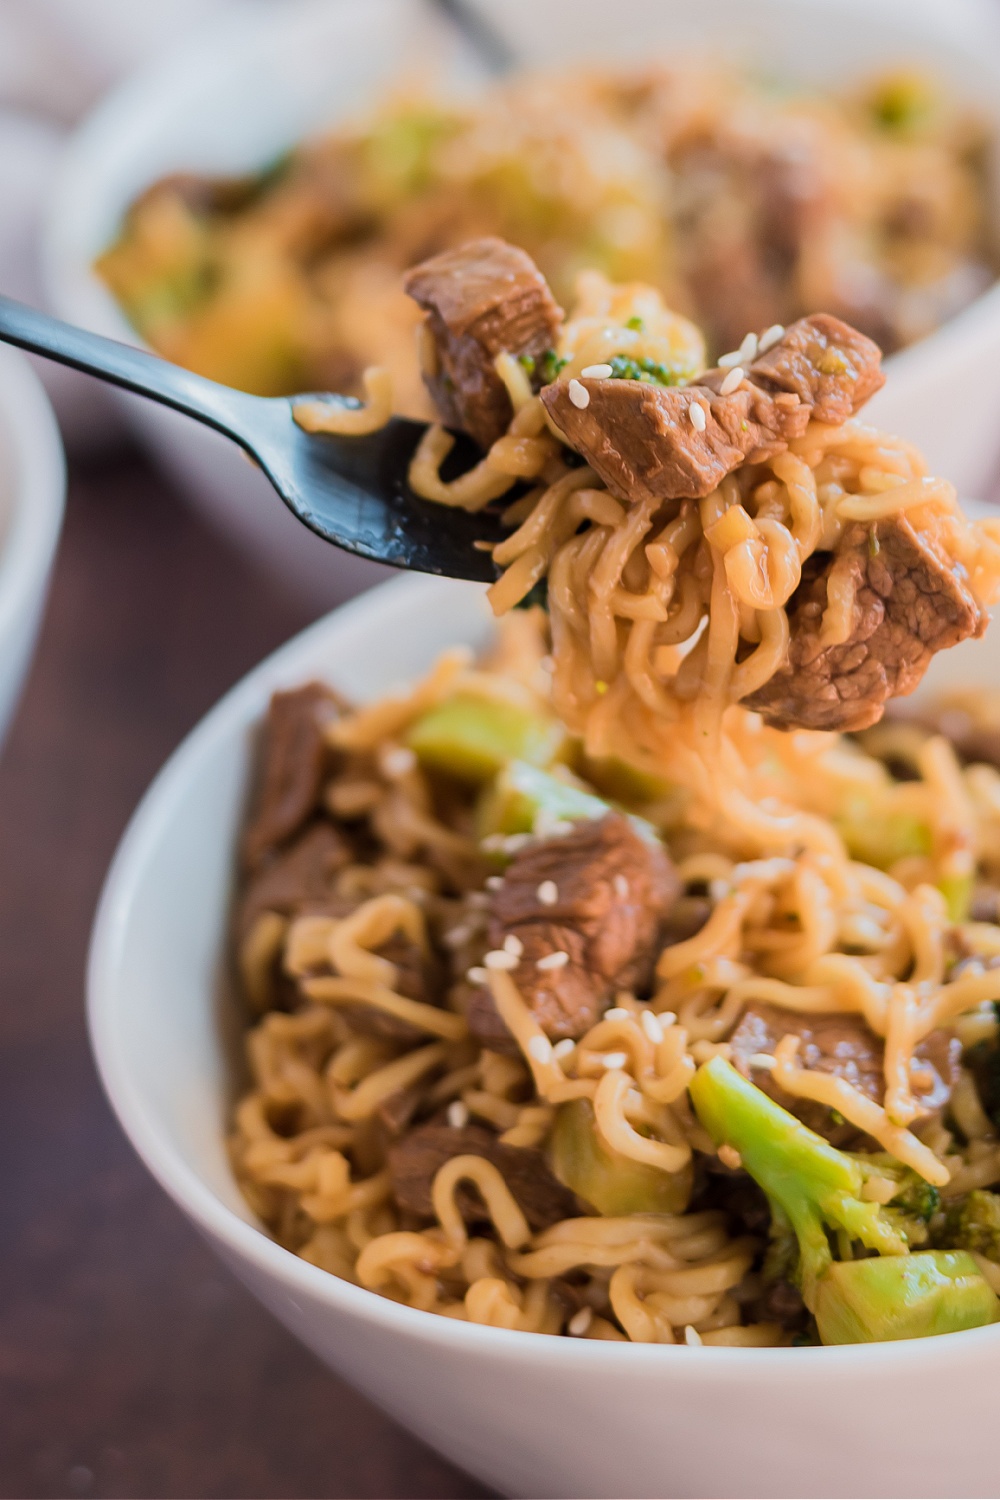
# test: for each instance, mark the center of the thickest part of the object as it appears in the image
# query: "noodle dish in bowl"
(637, 981)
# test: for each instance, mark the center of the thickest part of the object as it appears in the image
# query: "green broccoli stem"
(810, 1185)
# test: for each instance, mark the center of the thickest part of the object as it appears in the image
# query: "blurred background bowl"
(527, 1414)
(242, 93)
(32, 491)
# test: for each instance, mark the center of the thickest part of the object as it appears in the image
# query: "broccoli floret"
(973, 1223)
(549, 365)
(624, 367)
(816, 1194)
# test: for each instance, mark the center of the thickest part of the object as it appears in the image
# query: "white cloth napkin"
(56, 59)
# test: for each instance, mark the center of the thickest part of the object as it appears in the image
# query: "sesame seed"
(458, 1114)
(618, 1013)
(477, 975)
(456, 937)
(748, 349)
(498, 959)
(513, 945)
(651, 1026)
(718, 889)
(732, 381)
(540, 1049)
(729, 361)
(666, 1018)
(397, 760)
(770, 338)
(493, 843)
(494, 882)
(478, 900)
(762, 1060)
(564, 1048)
(620, 884)
(692, 1337)
(546, 826)
(597, 372)
(730, 1157)
(548, 893)
(580, 1322)
(554, 960)
(579, 395)
(696, 412)
(614, 1060)
(515, 842)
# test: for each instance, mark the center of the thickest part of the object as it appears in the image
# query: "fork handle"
(218, 406)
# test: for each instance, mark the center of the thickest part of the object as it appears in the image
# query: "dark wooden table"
(131, 1363)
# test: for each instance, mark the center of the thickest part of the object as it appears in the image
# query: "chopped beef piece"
(642, 441)
(831, 367)
(613, 891)
(396, 1112)
(483, 299)
(841, 1044)
(985, 904)
(420, 976)
(415, 1160)
(293, 763)
(909, 602)
(685, 919)
(299, 879)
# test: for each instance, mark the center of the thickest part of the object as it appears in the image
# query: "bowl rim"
(39, 489)
(75, 291)
(227, 723)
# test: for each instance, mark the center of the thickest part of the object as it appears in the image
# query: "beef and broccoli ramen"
(746, 203)
(639, 980)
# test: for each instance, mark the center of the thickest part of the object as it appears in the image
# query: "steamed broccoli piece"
(815, 1193)
(811, 1186)
(973, 1223)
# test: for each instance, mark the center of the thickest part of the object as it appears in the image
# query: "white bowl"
(528, 1414)
(32, 491)
(241, 95)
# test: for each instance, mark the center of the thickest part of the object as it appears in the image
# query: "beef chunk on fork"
(415, 1160)
(844, 1046)
(483, 299)
(641, 439)
(605, 893)
(909, 602)
(293, 763)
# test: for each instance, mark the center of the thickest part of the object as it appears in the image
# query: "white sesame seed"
(477, 975)
(620, 884)
(666, 1018)
(651, 1026)
(515, 842)
(732, 381)
(493, 843)
(770, 338)
(617, 1013)
(397, 760)
(498, 959)
(614, 1060)
(554, 960)
(458, 1114)
(580, 1322)
(730, 1157)
(494, 882)
(540, 1049)
(579, 395)
(513, 945)
(692, 1337)
(547, 826)
(718, 889)
(762, 1060)
(548, 893)
(748, 349)
(597, 372)
(456, 937)
(729, 361)
(478, 900)
(564, 1048)
(696, 413)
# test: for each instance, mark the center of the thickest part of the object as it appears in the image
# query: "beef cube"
(641, 438)
(293, 763)
(483, 299)
(909, 602)
(415, 1160)
(843, 1045)
(831, 367)
(298, 879)
(605, 894)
